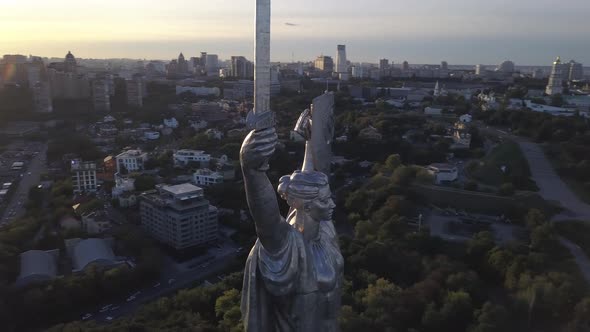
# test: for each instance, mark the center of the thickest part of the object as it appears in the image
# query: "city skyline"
(457, 31)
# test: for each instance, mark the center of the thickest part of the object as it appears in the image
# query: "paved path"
(580, 257)
(552, 188)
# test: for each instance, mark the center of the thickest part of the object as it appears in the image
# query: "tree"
(506, 189)
(227, 307)
(393, 162)
(490, 318)
(144, 183)
(534, 218)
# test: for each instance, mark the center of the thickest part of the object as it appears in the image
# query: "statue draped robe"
(296, 289)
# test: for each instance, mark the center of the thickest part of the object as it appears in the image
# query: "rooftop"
(131, 153)
(185, 189)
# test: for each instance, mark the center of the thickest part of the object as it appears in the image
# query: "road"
(168, 285)
(30, 177)
(552, 188)
(580, 257)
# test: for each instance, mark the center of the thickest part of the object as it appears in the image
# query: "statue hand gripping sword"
(293, 275)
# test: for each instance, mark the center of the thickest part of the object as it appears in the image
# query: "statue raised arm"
(293, 275)
(257, 148)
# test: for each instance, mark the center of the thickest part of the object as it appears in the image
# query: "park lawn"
(508, 154)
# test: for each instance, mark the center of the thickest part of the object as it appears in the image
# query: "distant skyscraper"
(182, 64)
(341, 62)
(575, 71)
(100, 93)
(405, 66)
(480, 70)
(135, 91)
(42, 97)
(383, 64)
(241, 67)
(555, 79)
(444, 65)
(384, 68)
(357, 71)
(211, 64)
(324, 63)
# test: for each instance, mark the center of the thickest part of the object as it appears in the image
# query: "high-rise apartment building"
(179, 216)
(341, 69)
(324, 63)
(83, 176)
(444, 65)
(182, 64)
(555, 79)
(241, 67)
(42, 100)
(341, 62)
(135, 91)
(405, 66)
(211, 64)
(384, 68)
(480, 70)
(575, 71)
(101, 97)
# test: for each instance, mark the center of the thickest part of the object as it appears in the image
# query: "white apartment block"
(206, 177)
(131, 160)
(83, 176)
(183, 157)
(179, 216)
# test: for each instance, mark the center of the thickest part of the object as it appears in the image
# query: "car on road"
(109, 318)
(106, 308)
(87, 316)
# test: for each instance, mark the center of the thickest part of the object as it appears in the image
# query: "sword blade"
(262, 58)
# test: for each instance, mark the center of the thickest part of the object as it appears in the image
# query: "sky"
(528, 32)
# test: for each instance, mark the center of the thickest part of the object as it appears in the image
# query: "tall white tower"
(341, 63)
(555, 79)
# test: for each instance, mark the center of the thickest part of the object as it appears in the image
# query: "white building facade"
(206, 177)
(83, 176)
(184, 157)
(131, 160)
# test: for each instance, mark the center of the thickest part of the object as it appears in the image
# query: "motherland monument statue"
(293, 275)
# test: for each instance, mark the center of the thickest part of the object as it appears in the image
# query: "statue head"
(308, 192)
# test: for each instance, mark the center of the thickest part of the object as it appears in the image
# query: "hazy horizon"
(459, 31)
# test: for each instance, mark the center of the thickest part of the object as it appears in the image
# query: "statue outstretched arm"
(257, 148)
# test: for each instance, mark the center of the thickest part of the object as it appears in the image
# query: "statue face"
(322, 207)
